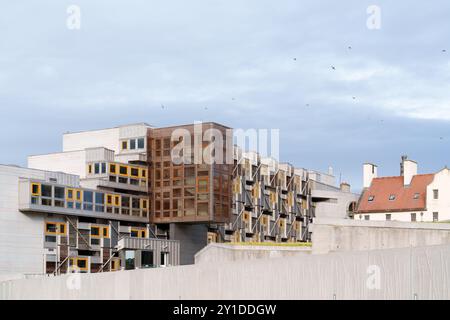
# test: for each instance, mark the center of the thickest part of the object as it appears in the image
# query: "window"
(36, 189)
(132, 144)
(164, 259)
(435, 216)
(388, 217)
(46, 191)
(103, 167)
(55, 228)
(141, 143)
(366, 217)
(105, 232)
(143, 173)
(413, 217)
(202, 184)
(135, 172)
(138, 233)
(435, 194)
(202, 209)
(97, 168)
(123, 170)
(371, 198)
(95, 231)
(392, 197)
(88, 200)
(124, 145)
(90, 169)
(99, 202)
(416, 196)
(112, 168)
(59, 192)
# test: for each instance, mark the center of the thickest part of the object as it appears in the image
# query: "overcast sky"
(243, 63)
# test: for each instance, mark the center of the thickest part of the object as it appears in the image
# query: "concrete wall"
(354, 235)
(216, 252)
(21, 235)
(108, 138)
(73, 162)
(411, 273)
(192, 237)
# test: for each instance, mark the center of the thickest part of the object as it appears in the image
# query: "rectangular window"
(112, 168)
(124, 145)
(141, 143)
(132, 144)
(103, 167)
(55, 228)
(202, 184)
(36, 189)
(90, 169)
(435, 216)
(135, 172)
(366, 217)
(143, 173)
(46, 191)
(95, 231)
(97, 168)
(388, 217)
(105, 232)
(123, 170)
(413, 217)
(435, 194)
(59, 192)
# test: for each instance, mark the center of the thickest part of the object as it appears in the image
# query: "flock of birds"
(307, 104)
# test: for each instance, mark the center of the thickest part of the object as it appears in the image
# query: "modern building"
(407, 197)
(120, 198)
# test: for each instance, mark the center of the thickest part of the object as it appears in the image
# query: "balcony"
(44, 197)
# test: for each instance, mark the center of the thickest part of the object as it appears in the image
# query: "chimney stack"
(408, 169)
(370, 171)
(345, 187)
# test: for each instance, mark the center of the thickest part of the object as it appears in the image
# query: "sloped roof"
(382, 188)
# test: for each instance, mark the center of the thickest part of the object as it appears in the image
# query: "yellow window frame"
(132, 175)
(123, 174)
(109, 199)
(112, 165)
(99, 232)
(139, 232)
(143, 173)
(122, 144)
(117, 201)
(103, 232)
(38, 185)
(58, 228)
(144, 201)
(74, 263)
(89, 168)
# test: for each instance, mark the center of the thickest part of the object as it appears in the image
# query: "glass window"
(435, 216)
(135, 203)
(202, 209)
(416, 196)
(112, 168)
(435, 194)
(141, 143)
(371, 198)
(88, 196)
(99, 198)
(413, 217)
(59, 192)
(132, 144)
(103, 167)
(135, 172)
(95, 231)
(125, 201)
(46, 191)
(124, 145)
(123, 170)
(392, 197)
(97, 168)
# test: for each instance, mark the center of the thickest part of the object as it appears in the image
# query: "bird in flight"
(349, 48)
(333, 67)
(162, 106)
(444, 50)
(295, 59)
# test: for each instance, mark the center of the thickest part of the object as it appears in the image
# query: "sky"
(340, 93)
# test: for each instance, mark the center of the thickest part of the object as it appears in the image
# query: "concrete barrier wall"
(334, 235)
(216, 252)
(411, 273)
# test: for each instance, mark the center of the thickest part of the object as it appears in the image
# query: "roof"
(382, 188)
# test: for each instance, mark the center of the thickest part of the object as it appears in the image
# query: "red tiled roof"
(382, 188)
